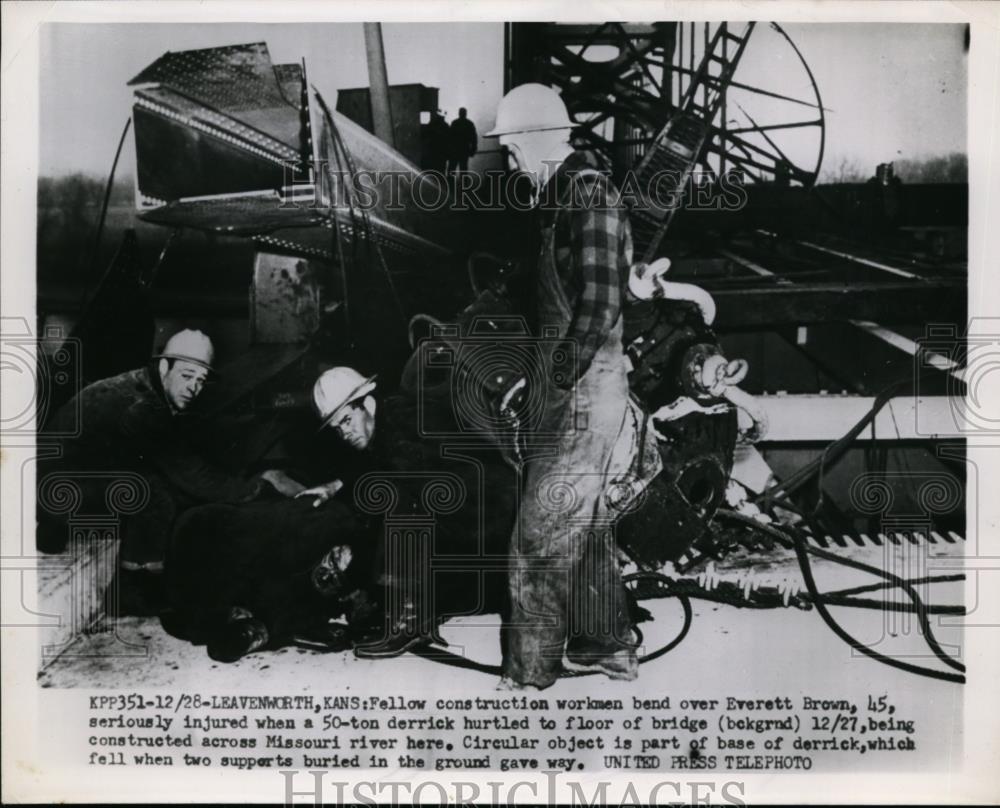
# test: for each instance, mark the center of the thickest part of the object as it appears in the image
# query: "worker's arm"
(596, 232)
(170, 452)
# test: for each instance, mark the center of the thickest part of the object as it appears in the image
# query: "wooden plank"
(892, 302)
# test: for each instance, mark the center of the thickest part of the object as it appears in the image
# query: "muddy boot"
(621, 665)
(507, 684)
(408, 630)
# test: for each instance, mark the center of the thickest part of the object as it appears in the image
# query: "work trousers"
(565, 589)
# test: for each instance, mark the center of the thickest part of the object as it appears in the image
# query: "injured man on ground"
(345, 562)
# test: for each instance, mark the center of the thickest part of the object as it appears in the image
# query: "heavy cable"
(107, 197)
(822, 600)
(927, 579)
(108, 187)
(802, 552)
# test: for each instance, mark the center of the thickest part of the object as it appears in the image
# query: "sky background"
(892, 91)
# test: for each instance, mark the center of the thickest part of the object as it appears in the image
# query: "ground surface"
(730, 648)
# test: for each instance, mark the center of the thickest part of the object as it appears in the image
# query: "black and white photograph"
(502, 408)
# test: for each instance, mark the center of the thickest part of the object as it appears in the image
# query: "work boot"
(620, 665)
(234, 640)
(508, 684)
(407, 631)
(323, 635)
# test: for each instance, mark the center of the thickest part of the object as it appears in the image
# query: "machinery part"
(418, 320)
(752, 407)
(672, 290)
(669, 96)
(645, 282)
(658, 335)
(622, 81)
(707, 373)
(678, 505)
(743, 593)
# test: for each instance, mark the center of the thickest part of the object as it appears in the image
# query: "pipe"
(694, 294)
(378, 83)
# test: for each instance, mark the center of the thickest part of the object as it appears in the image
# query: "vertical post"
(678, 73)
(691, 63)
(722, 89)
(378, 83)
(668, 41)
(708, 69)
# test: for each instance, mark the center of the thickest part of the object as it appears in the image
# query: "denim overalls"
(565, 585)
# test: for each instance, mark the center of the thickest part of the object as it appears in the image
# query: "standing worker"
(464, 142)
(138, 422)
(567, 604)
(436, 143)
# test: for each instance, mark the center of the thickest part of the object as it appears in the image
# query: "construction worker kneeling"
(346, 404)
(144, 422)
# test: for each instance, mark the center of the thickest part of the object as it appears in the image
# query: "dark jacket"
(125, 422)
(464, 139)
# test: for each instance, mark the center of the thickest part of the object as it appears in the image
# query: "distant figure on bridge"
(464, 142)
(436, 143)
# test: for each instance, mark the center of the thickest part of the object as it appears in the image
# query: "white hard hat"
(337, 387)
(190, 346)
(530, 108)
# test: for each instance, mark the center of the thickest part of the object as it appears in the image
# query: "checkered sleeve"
(598, 228)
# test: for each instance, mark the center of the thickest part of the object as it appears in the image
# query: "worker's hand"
(282, 483)
(322, 493)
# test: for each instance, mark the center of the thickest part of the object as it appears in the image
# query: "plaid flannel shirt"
(593, 251)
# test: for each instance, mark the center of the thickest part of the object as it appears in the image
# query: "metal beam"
(825, 418)
(797, 304)
(848, 257)
(753, 267)
(942, 363)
